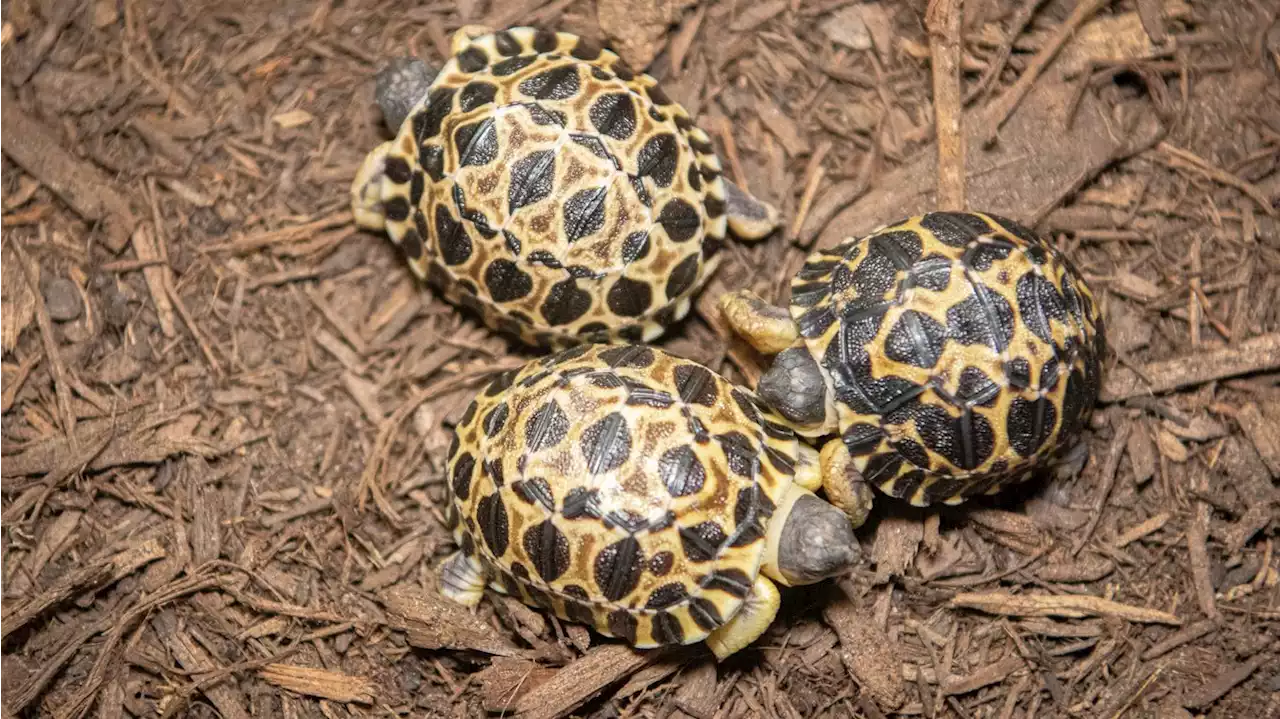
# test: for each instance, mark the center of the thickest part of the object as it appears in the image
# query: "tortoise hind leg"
(462, 579)
(1072, 461)
(755, 616)
(366, 190)
(749, 218)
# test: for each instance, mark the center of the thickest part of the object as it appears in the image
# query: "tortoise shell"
(555, 192)
(620, 487)
(964, 351)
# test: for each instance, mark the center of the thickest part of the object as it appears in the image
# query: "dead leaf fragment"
(17, 303)
(1131, 285)
(292, 118)
(66, 91)
(1263, 430)
(1106, 39)
(636, 28)
(783, 128)
(1170, 446)
(868, 653)
(847, 27)
(507, 679)
(1142, 454)
(754, 15)
(1199, 429)
(436, 623)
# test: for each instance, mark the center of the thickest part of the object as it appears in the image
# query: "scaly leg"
(808, 469)
(1072, 461)
(766, 327)
(749, 218)
(755, 616)
(366, 190)
(462, 579)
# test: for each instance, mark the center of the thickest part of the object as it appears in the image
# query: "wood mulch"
(225, 408)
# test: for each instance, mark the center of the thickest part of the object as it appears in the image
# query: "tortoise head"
(800, 390)
(399, 86)
(809, 540)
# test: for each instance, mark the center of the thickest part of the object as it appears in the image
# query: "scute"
(945, 336)
(611, 511)
(542, 176)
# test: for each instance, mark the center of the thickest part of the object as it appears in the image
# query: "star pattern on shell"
(621, 487)
(963, 350)
(559, 195)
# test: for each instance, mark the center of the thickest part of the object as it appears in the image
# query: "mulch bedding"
(225, 409)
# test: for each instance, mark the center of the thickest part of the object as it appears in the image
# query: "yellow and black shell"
(964, 351)
(555, 192)
(621, 487)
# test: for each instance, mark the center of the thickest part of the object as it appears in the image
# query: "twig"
(1224, 682)
(943, 21)
(162, 86)
(814, 174)
(986, 676)
(78, 705)
(996, 64)
(145, 248)
(165, 273)
(1256, 354)
(995, 114)
(81, 185)
(191, 324)
(1064, 605)
(59, 16)
(92, 575)
(1197, 551)
(842, 194)
(292, 233)
(1189, 633)
(60, 385)
(1108, 481)
(1179, 157)
(1151, 525)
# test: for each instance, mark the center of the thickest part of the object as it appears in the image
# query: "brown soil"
(225, 408)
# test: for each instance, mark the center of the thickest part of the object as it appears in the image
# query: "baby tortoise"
(538, 181)
(639, 493)
(954, 353)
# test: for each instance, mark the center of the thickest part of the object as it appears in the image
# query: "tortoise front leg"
(766, 327)
(749, 218)
(755, 616)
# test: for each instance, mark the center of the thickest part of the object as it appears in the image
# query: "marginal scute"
(683, 277)
(680, 220)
